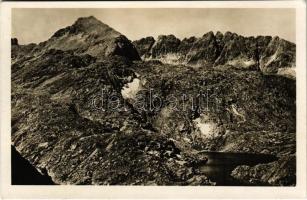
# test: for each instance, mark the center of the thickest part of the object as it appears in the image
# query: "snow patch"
(235, 111)
(248, 63)
(206, 127)
(243, 63)
(289, 72)
(130, 90)
(170, 58)
(271, 59)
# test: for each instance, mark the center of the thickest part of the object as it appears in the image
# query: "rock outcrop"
(214, 50)
(144, 45)
(275, 173)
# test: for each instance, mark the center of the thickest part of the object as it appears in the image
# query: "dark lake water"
(23, 173)
(220, 165)
(218, 168)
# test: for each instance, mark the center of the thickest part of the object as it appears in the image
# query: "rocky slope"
(224, 110)
(86, 110)
(266, 53)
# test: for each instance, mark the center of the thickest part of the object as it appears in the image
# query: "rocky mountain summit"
(265, 53)
(86, 36)
(87, 110)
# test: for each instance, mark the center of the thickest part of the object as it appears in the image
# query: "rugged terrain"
(265, 53)
(86, 109)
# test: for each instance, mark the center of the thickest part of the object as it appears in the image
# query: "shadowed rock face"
(144, 45)
(263, 52)
(14, 41)
(64, 123)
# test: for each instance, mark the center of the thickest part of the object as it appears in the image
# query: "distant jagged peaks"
(266, 53)
(88, 35)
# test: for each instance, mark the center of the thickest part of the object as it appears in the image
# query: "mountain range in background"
(249, 83)
(265, 53)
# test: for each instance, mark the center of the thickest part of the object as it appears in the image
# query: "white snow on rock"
(130, 90)
(242, 63)
(206, 127)
(248, 63)
(169, 58)
(289, 72)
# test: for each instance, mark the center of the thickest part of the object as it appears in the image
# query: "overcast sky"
(37, 25)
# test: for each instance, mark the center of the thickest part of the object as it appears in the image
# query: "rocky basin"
(86, 109)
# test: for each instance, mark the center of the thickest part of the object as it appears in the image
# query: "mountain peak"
(91, 36)
(87, 22)
(89, 25)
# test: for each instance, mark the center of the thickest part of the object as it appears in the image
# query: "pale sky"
(37, 25)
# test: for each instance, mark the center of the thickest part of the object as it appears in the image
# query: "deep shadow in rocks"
(23, 173)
